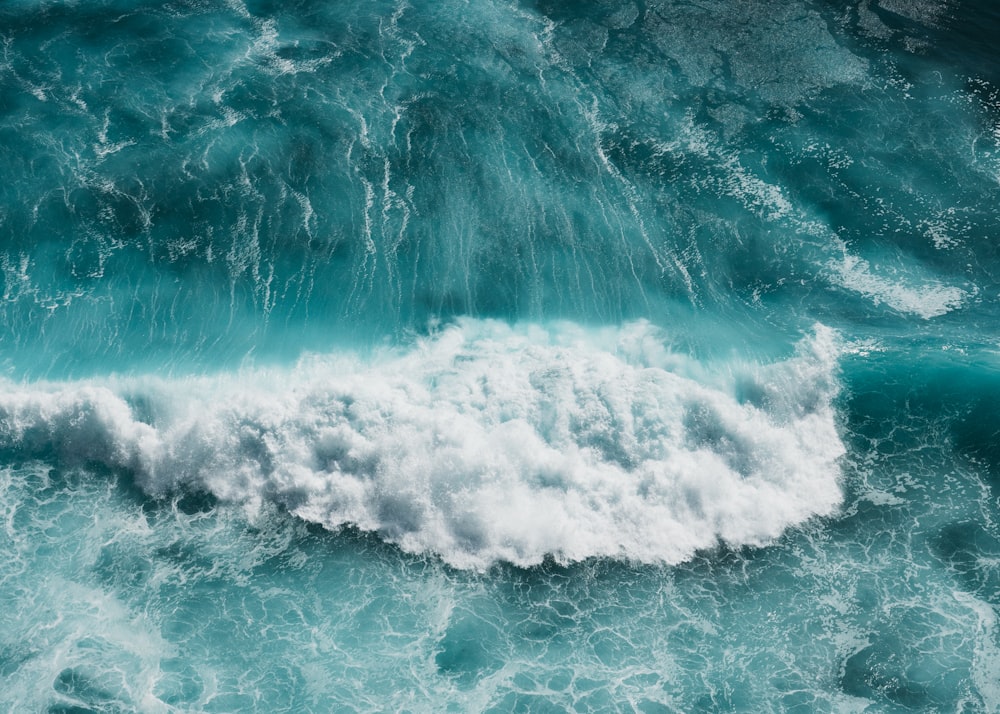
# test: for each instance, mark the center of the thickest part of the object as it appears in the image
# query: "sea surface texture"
(499, 355)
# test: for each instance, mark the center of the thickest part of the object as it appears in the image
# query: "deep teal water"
(499, 356)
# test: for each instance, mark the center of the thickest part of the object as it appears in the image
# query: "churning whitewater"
(499, 356)
(482, 443)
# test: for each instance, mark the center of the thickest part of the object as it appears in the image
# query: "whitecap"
(930, 299)
(482, 443)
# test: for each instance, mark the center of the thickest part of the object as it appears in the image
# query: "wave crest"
(485, 442)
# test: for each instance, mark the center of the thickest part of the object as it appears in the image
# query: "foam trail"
(927, 301)
(485, 442)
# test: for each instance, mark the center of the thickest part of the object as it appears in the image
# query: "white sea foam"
(931, 299)
(485, 442)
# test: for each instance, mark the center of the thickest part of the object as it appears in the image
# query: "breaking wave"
(484, 442)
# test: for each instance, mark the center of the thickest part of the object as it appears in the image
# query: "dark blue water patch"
(13, 656)
(977, 432)
(920, 430)
(83, 686)
(876, 672)
(971, 550)
(468, 650)
(181, 682)
(968, 41)
(892, 666)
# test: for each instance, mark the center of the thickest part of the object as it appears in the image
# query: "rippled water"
(499, 356)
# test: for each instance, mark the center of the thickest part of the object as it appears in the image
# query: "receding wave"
(481, 443)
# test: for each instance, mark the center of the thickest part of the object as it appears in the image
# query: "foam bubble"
(484, 442)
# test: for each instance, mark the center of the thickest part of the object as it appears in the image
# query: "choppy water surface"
(499, 356)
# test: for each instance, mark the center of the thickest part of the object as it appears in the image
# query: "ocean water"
(499, 355)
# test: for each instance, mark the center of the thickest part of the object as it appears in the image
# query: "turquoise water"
(499, 356)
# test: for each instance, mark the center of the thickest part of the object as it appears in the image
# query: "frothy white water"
(485, 442)
(932, 299)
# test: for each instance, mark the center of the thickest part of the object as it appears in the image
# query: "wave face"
(499, 355)
(200, 182)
